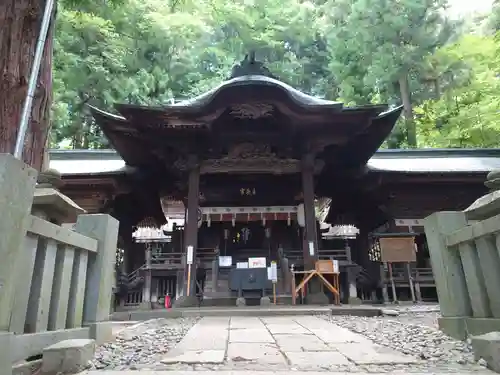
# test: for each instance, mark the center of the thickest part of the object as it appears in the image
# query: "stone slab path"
(300, 343)
(266, 345)
(245, 372)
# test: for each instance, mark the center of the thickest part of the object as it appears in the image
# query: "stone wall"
(55, 282)
(464, 248)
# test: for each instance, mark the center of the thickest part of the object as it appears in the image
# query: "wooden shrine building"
(247, 163)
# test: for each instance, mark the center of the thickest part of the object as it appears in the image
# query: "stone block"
(186, 301)
(318, 298)
(240, 301)
(354, 301)
(6, 342)
(54, 206)
(480, 326)
(316, 360)
(453, 327)
(196, 357)
(68, 357)
(101, 332)
(261, 353)
(487, 347)
(17, 186)
(27, 368)
(251, 335)
(265, 301)
(388, 312)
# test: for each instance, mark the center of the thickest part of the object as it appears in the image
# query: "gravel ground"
(142, 344)
(415, 332)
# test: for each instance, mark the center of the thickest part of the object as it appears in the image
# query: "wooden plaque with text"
(397, 249)
(324, 266)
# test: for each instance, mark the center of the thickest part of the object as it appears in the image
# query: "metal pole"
(28, 102)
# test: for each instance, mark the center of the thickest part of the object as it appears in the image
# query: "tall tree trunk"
(411, 131)
(20, 22)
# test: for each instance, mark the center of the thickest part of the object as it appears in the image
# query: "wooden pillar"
(311, 238)
(191, 225)
(315, 294)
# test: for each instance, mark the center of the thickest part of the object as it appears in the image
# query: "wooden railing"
(400, 275)
(297, 255)
(465, 262)
(65, 283)
(133, 298)
(175, 259)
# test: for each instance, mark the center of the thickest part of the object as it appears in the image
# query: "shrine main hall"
(255, 169)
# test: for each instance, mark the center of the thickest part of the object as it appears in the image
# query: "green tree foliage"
(467, 113)
(153, 52)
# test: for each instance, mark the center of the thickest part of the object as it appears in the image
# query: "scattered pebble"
(412, 331)
(142, 344)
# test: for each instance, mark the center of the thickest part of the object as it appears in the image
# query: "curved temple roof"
(252, 106)
(104, 162)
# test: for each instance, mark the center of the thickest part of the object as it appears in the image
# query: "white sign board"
(311, 248)
(274, 272)
(242, 265)
(189, 256)
(269, 273)
(225, 261)
(257, 262)
(336, 268)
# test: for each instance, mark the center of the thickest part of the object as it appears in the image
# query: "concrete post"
(99, 286)
(17, 186)
(448, 272)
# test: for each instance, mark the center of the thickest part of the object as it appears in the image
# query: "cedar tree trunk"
(20, 22)
(411, 131)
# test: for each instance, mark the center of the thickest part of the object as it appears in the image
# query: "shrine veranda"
(257, 169)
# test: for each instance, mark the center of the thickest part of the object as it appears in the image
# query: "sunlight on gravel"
(414, 331)
(142, 344)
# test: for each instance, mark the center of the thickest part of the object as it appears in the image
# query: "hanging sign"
(274, 272)
(189, 255)
(258, 262)
(311, 248)
(225, 261)
(397, 249)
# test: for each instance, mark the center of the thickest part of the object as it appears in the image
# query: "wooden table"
(308, 275)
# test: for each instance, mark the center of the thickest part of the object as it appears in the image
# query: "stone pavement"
(265, 345)
(148, 372)
(304, 342)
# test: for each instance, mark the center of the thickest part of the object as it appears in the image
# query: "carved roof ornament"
(250, 66)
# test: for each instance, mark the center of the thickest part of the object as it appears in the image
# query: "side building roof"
(108, 162)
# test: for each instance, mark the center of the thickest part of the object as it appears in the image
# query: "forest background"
(446, 72)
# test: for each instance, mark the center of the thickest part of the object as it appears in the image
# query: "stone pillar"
(353, 298)
(146, 290)
(448, 273)
(100, 272)
(17, 186)
(309, 212)
(316, 294)
(191, 233)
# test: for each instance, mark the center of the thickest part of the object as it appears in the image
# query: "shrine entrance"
(251, 231)
(246, 236)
